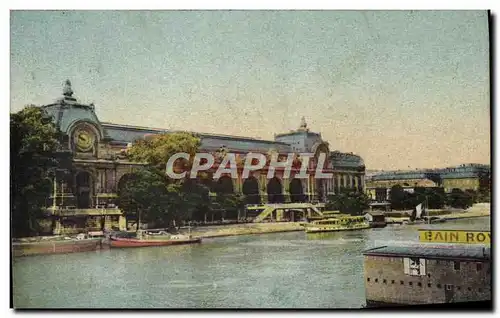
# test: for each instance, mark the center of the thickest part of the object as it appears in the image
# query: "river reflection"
(284, 270)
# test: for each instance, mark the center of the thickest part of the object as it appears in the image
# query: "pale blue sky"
(399, 88)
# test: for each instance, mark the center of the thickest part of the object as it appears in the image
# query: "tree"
(473, 194)
(157, 149)
(397, 197)
(348, 201)
(35, 153)
(183, 198)
(411, 200)
(193, 201)
(483, 196)
(435, 196)
(459, 199)
(145, 198)
(230, 204)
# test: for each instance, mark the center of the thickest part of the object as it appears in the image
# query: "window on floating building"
(414, 266)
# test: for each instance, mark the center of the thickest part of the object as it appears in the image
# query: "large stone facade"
(474, 177)
(85, 196)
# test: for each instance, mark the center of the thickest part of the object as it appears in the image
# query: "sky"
(403, 89)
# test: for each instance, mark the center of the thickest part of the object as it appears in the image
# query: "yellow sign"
(455, 236)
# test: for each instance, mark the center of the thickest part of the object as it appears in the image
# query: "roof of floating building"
(445, 252)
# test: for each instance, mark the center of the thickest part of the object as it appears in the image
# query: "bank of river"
(246, 229)
(282, 270)
(479, 210)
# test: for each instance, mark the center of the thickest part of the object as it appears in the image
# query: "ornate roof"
(67, 111)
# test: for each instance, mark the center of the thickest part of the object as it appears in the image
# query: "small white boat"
(338, 223)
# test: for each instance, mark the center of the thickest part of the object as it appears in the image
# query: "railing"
(268, 209)
(75, 211)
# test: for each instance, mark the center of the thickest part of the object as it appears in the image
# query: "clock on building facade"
(84, 139)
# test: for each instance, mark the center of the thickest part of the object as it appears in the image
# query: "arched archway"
(251, 190)
(297, 191)
(83, 190)
(275, 191)
(225, 185)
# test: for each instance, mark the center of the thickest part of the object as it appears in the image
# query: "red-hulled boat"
(144, 240)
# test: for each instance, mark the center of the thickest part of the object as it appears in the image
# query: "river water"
(282, 270)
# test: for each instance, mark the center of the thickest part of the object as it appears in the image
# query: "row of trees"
(162, 201)
(348, 201)
(149, 196)
(35, 153)
(436, 198)
(353, 202)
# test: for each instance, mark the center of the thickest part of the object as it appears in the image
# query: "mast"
(427, 210)
(138, 223)
(54, 200)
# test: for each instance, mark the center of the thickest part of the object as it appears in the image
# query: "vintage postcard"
(257, 159)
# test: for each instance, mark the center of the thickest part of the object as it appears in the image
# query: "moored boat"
(57, 245)
(435, 219)
(339, 223)
(376, 219)
(378, 224)
(145, 239)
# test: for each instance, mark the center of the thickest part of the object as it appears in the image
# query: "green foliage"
(473, 194)
(398, 197)
(145, 196)
(156, 150)
(460, 199)
(348, 201)
(34, 155)
(402, 200)
(192, 200)
(179, 199)
(436, 198)
(483, 196)
(230, 203)
(161, 201)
